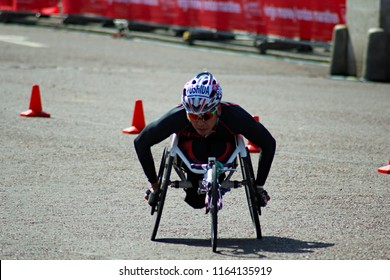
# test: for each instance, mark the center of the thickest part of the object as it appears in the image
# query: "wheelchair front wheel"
(214, 210)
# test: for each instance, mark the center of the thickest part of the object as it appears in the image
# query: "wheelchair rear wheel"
(160, 174)
(214, 210)
(164, 182)
(250, 190)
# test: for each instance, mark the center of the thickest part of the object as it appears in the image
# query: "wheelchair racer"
(206, 127)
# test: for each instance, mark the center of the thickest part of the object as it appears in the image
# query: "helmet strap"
(216, 124)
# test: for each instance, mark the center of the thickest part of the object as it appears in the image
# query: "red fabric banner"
(6, 4)
(35, 6)
(94, 7)
(305, 20)
(299, 19)
(311, 20)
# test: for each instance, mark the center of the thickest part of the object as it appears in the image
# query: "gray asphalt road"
(71, 186)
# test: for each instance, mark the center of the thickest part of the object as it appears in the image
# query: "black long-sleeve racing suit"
(233, 120)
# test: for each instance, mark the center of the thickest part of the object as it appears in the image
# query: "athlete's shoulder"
(234, 116)
(175, 117)
(232, 108)
(228, 104)
(177, 111)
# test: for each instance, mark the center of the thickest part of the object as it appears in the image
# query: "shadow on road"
(253, 248)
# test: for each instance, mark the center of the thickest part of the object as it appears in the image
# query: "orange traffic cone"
(35, 108)
(138, 123)
(252, 148)
(385, 169)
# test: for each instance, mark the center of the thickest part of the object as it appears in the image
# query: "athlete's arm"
(241, 122)
(154, 133)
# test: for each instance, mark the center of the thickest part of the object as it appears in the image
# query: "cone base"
(253, 149)
(132, 130)
(31, 113)
(384, 169)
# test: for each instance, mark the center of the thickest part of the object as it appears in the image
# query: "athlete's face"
(205, 123)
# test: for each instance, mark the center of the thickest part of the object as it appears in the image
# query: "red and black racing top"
(233, 120)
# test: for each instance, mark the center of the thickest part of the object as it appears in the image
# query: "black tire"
(248, 175)
(163, 163)
(214, 210)
(160, 174)
(252, 176)
(164, 188)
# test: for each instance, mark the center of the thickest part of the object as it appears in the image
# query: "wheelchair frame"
(169, 159)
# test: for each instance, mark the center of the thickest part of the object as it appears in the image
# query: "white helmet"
(201, 94)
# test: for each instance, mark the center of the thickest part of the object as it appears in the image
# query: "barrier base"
(87, 19)
(9, 16)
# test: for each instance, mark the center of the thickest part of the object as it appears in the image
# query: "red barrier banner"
(93, 7)
(6, 5)
(299, 19)
(304, 20)
(35, 6)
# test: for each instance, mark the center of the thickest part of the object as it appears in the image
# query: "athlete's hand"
(153, 189)
(151, 194)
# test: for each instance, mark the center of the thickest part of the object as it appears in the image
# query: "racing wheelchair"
(216, 179)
